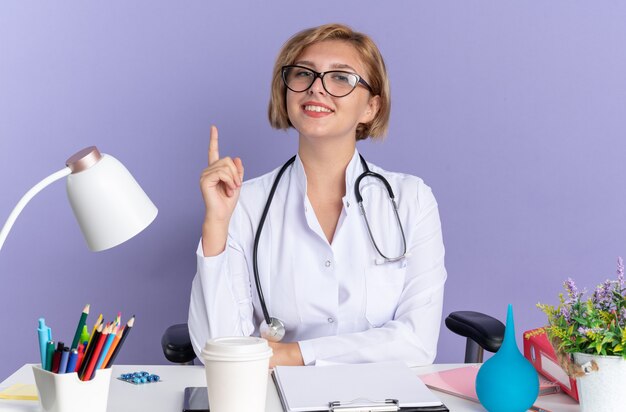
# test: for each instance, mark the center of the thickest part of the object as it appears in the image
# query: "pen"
(84, 336)
(80, 357)
(45, 334)
(79, 328)
(538, 409)
(71, 363)
(49, 355)
(56, 357)
(65, 355)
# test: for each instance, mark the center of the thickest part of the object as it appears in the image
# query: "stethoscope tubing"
(359, 198)
(257, 237)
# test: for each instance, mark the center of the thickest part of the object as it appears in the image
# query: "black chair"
(482, 332)
(176, 344)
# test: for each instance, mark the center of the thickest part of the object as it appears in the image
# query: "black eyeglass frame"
(321, 77)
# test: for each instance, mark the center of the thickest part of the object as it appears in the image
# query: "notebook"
(313, 388)
(461, 382)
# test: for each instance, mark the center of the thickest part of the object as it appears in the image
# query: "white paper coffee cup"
(236, 373)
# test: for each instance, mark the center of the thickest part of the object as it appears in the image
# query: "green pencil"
(79, 328)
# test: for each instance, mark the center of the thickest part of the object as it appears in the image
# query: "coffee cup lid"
(236, 348)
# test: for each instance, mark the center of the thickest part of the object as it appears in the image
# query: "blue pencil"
(105, 348)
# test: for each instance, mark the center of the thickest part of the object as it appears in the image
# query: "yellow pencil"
(95, 327)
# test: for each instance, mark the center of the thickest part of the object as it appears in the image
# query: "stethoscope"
(273, 329)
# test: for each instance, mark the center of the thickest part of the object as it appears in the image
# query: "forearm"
(411, 338)
(220, 302)
(214, 237)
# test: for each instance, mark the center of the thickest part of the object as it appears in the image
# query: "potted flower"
(592, 331)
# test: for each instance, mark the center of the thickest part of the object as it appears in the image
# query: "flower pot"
(601, 390)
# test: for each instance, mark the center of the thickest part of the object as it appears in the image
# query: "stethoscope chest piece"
(274, 331)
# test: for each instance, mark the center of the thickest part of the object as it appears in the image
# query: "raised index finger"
(214, 154)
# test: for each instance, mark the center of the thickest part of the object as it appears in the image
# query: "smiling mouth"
(317, 109)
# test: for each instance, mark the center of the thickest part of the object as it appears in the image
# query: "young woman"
(341, 286)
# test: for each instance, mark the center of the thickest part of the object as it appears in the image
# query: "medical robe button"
(327, 263)
(331, 320)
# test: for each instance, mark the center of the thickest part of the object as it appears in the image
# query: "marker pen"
(71, 363)
(81, 356)
(84, 336)
(45, 334)
(49, 354)
(64, 360)
(56, 357)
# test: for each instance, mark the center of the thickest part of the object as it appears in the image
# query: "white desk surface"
(167, 396)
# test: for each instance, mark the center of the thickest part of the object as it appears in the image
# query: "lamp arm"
(27, 197)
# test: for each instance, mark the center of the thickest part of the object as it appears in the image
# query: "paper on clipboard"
(312, 388)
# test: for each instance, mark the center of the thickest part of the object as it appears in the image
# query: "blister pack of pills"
(139, 378)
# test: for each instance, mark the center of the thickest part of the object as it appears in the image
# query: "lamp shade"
(108, 203)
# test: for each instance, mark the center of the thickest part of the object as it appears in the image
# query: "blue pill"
(156, 378)
(136, 380)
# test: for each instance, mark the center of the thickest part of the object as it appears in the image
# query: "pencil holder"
(64, 392)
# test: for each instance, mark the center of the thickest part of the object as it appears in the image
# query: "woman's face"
(318, 115)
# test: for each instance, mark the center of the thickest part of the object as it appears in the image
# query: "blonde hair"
(372, 60)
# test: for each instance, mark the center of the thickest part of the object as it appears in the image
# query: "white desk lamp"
(108, 203)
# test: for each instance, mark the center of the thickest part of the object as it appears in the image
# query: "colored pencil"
(79, 328)
(98, 323)
(95, 337)
(96, 353)
(116, 341)
(129, 326)
(107, 346)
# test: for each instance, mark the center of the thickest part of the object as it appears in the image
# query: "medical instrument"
(273, 329)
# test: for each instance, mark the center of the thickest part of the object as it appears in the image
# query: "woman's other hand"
(220, 184)
(286, 354)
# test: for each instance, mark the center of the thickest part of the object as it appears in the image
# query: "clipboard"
(354, 388)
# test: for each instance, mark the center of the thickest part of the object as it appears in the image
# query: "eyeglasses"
(337, 83)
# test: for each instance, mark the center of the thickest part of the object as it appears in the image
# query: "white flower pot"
(602, 390)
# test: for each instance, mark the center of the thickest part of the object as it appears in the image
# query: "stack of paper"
(313, 388)
(20, 392)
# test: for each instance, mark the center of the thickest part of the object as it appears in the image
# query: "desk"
(167, 396)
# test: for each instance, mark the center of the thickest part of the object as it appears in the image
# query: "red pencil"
(96, 353)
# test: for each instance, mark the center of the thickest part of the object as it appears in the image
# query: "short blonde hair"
(372, 60)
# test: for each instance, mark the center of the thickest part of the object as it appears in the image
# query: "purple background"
(514, 112)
